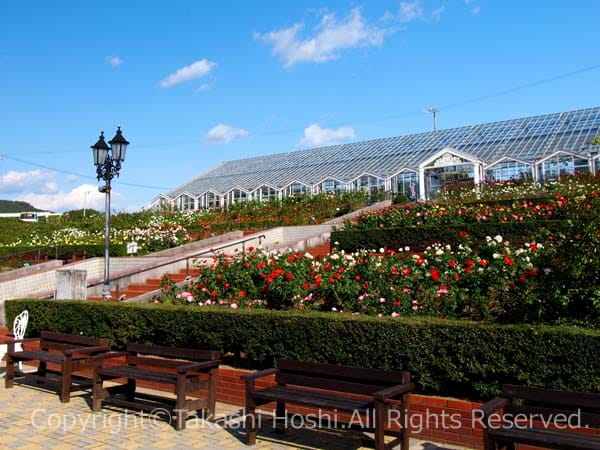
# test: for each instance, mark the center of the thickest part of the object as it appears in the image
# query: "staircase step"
(140, 287)
(192, 272)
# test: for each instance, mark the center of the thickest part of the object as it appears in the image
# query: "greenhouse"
(542, 148)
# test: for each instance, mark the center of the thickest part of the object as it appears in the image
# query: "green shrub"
(399, 199)
(415, 237)
(451, 358)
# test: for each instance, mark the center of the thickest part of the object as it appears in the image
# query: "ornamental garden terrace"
(541, 148)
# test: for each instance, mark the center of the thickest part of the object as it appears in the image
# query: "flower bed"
(437, 214)
(569, 185)
(545, 280)
(157, 231)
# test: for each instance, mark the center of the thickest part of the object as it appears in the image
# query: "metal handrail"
(183, 258)
(33, 250)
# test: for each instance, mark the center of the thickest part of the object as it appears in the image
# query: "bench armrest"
(193, 367)
(494, 405)
(10, 345)
(85, 350)
(259, 374)
(394, 391)
(108, 355)
(18, 341)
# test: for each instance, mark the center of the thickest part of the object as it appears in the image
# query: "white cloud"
(224, 134)
(436, 14)
(476, 10)
(72, 177)
(315, 136)
(205, 87)
(33, 180)
(195, 70)
(74, 199)
(51, 186)
(410, 11)
(114, 61)
(330, 37)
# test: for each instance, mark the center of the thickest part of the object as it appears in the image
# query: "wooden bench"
(70, 352)
(178, 367)
(522, 421)
(327, 387)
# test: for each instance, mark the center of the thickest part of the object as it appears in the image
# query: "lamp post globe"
(108, 165)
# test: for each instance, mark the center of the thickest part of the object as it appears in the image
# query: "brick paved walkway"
(33, 418)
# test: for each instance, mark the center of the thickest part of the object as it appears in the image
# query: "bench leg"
(180, 408)
(65, 380)
(212, 393)
(488, 444)
(380, 423)
(97, 393)
(250, 420)
(280, 418)
(131, 385)
(10, 372)
(41, 371)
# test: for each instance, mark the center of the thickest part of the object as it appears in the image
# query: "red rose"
(289, 276)
(435, 274)
(452, 264)
(242, 293)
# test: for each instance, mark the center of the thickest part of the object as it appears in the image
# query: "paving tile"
(33, 418)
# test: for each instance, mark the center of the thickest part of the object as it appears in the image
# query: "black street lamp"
(108, 164)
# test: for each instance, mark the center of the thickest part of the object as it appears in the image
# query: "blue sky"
(195, 83)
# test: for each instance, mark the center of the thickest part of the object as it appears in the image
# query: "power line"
(69, 172)
(359, 121)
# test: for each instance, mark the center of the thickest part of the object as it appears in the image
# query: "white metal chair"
(19, 328)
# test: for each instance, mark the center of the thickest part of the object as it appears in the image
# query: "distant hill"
(13, 206)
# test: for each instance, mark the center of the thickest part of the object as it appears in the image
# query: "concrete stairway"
(151, 284)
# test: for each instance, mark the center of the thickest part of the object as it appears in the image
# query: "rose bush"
(558, 207)
(499, 281)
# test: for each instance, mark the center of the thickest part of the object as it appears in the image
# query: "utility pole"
(433, 111)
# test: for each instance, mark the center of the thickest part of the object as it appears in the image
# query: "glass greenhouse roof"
(529, 138)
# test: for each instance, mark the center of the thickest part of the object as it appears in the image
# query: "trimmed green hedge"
(451, 358)
(414, 237)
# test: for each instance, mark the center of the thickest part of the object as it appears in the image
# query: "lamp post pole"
(433, 111)
(108, 164)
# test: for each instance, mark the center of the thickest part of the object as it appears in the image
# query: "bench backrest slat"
(330, 384)
(52, 338)
(551, 397)
(552, 415)
(337, 378)
(155, 361)
(60, 346)
(171, 352)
